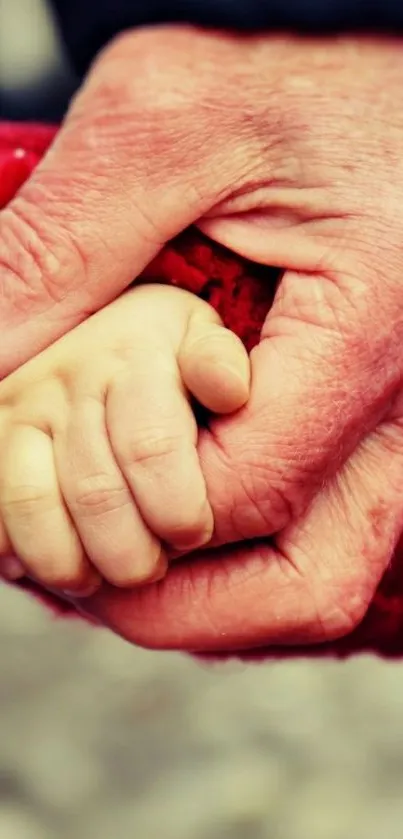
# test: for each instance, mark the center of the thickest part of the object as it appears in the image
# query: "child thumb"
(214, 365)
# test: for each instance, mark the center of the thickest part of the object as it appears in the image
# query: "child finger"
(37, 523)
(11, 568)
(111, 528)
(154, 441)
(215, 366)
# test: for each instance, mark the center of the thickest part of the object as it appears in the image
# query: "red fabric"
(242, 293)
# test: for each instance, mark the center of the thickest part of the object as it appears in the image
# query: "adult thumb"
(318, 388)
(125, 174)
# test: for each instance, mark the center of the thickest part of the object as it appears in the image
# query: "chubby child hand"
(98, 460)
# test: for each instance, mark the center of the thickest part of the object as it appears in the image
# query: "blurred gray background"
(36, 80)
(102, 741)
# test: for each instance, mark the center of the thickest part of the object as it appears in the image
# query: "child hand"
(98, 458)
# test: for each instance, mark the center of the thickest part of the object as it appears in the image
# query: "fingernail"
(194, 544)
(240, 376)
(84, 591)
(11, 568)
(198, 540)
(160, 569)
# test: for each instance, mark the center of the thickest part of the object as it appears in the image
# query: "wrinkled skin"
(290, 152)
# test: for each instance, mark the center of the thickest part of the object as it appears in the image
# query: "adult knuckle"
(335, 588)
(254, 498)
(266, 496)
(156, 88)
(342, 607)
(169, 102)
(35, 257)
(166, 66)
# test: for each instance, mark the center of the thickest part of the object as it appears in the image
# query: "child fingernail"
(11, 568)
(160, 569)
(84, 591)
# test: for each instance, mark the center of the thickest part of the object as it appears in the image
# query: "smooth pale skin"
(290, 152)
(98, 460)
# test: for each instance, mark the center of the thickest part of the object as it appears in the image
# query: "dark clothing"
(87, 25)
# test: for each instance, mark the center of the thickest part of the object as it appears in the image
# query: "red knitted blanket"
(242, 292)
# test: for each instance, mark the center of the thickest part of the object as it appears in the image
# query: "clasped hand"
(290, 152)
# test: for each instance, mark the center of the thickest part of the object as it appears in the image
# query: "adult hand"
(293, 155)
(291, 152)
